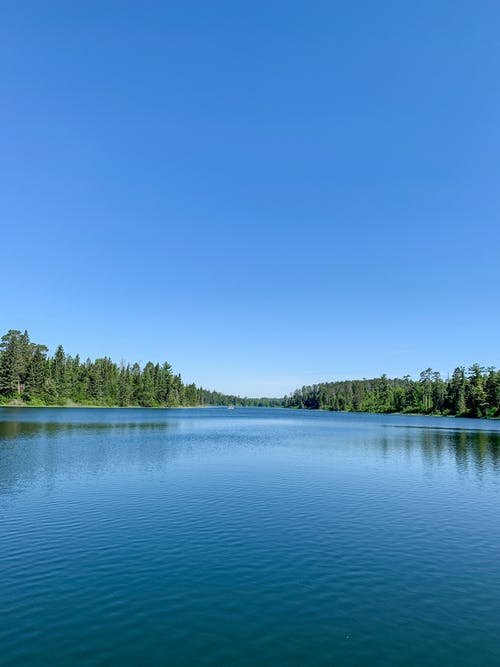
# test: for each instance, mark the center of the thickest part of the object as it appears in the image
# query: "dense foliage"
(471, 393)
(29, 374)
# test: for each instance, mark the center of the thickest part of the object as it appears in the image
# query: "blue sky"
(266, 194)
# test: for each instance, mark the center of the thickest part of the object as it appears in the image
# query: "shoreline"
(25, 406)
(79, 406)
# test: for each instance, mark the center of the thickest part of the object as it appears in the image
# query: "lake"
(248, 536)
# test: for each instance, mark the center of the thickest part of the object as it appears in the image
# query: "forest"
(474, 392)
(30, 376)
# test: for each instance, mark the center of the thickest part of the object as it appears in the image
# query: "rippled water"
(248, 536)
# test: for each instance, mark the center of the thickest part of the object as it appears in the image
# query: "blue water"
(248, 536)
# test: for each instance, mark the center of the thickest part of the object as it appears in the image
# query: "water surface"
(248, 536)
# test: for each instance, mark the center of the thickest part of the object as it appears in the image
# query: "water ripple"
(211, 537)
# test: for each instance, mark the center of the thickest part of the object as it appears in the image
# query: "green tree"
(456, 392)
(36, 373)
(15, 356)
(476, 397)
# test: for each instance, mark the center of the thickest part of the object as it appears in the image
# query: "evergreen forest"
(474, 392)
(28, 375)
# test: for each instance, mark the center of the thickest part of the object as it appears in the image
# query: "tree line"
(29, 374)
(472, 392)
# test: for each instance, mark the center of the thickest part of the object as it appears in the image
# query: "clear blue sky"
(266, 194)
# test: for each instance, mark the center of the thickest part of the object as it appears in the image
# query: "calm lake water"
(248, 536)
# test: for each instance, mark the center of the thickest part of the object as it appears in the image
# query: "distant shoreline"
(79, 406)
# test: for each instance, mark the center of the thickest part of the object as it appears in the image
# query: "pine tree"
(36, 373)
(14, 361)
(456, 392)
(58, 373)
(476, 398)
